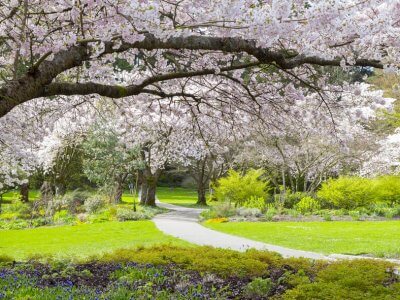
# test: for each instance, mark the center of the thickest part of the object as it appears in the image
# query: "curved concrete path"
(182, 222)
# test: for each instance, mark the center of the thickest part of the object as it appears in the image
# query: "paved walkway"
(182, 222)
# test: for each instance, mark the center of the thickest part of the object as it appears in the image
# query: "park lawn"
(81, 241)
(178, 196)
(14, 194)
(379, 238)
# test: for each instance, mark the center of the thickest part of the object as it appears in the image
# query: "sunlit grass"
(379, 238)
(81, 240)
(179, 196)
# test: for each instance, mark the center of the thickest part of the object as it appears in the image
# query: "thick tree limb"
(114, 91)
(39, 82)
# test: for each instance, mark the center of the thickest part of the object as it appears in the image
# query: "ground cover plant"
(73, 208)
(167, 272)
(358, 238)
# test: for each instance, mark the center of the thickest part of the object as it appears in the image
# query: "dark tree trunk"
(119, 190)
(24, 192)
(119, 187)
(151, 194)
(201, 194)
(143, 192)
(149, 187)
(202, 180)
(148, 193)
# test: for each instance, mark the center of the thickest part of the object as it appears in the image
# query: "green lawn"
(376, 238)
(13, 195)
(81, 240)
(178, 196)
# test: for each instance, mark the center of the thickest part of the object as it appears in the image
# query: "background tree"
(108, 162)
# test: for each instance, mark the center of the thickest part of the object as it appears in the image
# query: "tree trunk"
(201, 194)
(143, 192)
(119, 190)
(24, 192)
(148, 191)
(151, 193)
(149, 187)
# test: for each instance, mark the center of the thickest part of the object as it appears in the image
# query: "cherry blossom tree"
(73, 47)
(302, 147)
(385, 158)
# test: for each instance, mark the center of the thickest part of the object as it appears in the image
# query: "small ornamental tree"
(237, 188)
(108, 162)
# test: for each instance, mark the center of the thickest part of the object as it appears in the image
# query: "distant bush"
(291, 199)
(63, 217)
(347, 192)
(21, 210)
(387, 189)
(307, 205)
(144, 213)
(237, 188)
(94, 204)
(130, 215)
(248, 212)
(255, 202)
(74, 200)
(221, 210)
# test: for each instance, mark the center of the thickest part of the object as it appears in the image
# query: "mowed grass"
(178, 196)
(358, 238)
(14, 195)
(81, 241)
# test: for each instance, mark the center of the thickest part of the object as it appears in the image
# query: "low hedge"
(169, 272)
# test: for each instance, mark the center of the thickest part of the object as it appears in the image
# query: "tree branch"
(115, 91)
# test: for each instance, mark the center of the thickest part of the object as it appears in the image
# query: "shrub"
(307, 205)
(291, 199)
(22, 210)
(347, 192)
(238, 188)
(327, 216)
(72, 201)
(221, 210)
(258, 288)
(355, 215)
(387, 189)
(16, 224)
(94, 204)
(222, 262)
(248, 212)
(103, 216)
(271, 212)
(357, 279)
(125, 214)
(63, 217)
(255, 202)
(293, 213)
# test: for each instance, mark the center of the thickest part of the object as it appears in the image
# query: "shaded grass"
(179, 196)
(82, 240)
(357, 238)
